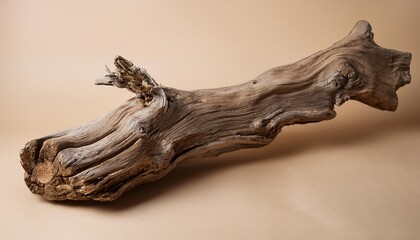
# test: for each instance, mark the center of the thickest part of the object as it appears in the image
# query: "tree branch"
(144, 139)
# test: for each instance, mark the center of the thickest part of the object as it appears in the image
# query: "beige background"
(355, 177)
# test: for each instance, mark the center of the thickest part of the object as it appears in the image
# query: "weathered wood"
(144, 139)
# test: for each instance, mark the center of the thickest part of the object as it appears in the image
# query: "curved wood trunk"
(144, 139)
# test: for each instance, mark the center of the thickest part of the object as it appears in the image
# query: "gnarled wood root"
(146, 137)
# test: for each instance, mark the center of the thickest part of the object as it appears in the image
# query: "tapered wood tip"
(362, 29)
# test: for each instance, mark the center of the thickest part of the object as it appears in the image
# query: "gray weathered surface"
(145, 138)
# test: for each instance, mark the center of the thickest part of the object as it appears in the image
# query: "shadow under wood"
(309, 138)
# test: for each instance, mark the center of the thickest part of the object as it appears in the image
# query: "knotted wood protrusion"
(129, 76)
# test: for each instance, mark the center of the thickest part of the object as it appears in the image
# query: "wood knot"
(353, 80)
(347, 78)
(403, 76)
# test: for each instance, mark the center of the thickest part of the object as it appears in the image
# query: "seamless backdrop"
(354, 177)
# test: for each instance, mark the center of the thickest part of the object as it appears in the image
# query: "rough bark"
(145, 138)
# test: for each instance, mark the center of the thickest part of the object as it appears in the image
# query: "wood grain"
(145, 138)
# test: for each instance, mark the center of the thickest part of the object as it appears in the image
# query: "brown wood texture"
(145, 138)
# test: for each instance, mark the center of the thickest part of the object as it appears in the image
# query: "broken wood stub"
(145, 138)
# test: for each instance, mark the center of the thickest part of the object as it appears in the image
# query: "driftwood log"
(145, 138)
